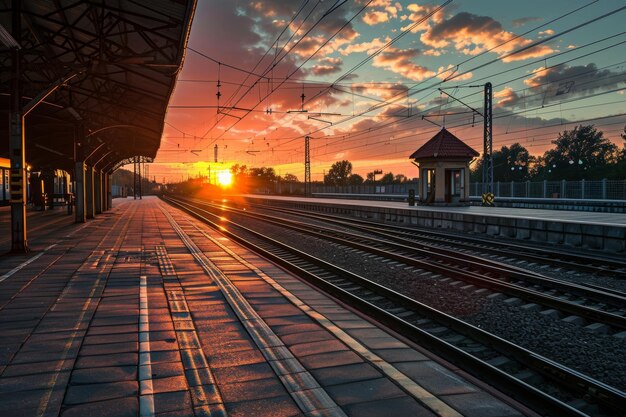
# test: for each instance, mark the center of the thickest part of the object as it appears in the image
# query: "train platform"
(39, 222)
(147, 311)
(578, 229)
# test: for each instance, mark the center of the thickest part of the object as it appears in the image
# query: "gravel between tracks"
(600, 356)
(556, 273)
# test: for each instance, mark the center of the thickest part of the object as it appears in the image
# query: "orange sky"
(468, 43)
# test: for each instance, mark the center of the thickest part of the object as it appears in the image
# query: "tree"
(388, 178)
(290, 178)
(355, 179)
(371, 176)
(509, 164)
(400, 178)
(339, 173)
(623, 154)
(619, 171)
(262, 178)
(513, 163)
(263, 173)
(580, 153)
(240, 176)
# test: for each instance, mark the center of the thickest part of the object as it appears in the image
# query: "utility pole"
(488, 141)
(307, 167)
(215, 153)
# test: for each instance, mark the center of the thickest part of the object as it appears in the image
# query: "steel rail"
(568, 259)
(402, 253)
(402, 313)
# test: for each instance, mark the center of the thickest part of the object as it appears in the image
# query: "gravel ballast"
(600, 356)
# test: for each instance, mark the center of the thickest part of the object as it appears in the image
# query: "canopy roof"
(444, 145)
(117, 61)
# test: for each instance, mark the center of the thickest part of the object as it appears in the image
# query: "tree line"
(340, 173)
(580, 153)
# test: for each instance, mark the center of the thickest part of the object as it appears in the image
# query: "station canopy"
(117, 62)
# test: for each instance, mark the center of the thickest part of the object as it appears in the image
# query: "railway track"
(574, 261)
(593, 304)
(544, 385)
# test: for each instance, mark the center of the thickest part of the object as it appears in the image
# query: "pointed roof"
(444, 145)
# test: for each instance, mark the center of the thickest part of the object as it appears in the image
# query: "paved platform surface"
(38, 222)
(581, 217)
(144, 311)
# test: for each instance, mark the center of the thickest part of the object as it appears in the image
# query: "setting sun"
(225, 178)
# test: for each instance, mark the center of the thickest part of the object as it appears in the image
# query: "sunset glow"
(360, 93)
(225, 178)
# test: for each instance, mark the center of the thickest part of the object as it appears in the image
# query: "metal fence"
(366, 189)
(583, 189)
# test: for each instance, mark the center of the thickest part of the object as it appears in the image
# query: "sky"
(381, 77)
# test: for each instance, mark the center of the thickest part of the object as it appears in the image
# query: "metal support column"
(137, 177)
(109, 192)
(91, 208)
(488, 141)
(3, 182)
(80, 192)
(307, 167)
(97, 194)
(17, 148)
(105, 181)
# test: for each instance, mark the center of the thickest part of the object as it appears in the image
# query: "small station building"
(443, 164)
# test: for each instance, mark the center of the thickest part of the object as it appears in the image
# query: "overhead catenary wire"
(496, 85)
(529, 110)
(297, 69)
(395, 99)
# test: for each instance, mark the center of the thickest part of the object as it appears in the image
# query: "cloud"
(324, 69)
(382, 90)
(400, 62)
(326, 66)
(375, 17)
(561, 83)
(369, 47)
(547, 32)
(433, 52)
(448, 71)
(471, 34)
(267, 14)
(524, 20)
(579, 79)
(506, 97)
(388, 12)
(393, 10)
(330, 61)
(419, 13)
